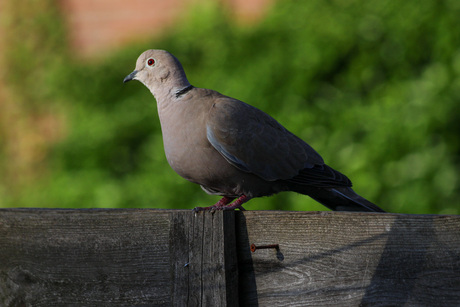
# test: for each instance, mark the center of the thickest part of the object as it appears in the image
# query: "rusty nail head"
(254, 247)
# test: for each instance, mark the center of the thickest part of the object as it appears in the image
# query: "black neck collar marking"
(184, 91)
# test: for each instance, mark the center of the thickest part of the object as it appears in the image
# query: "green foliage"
(35, 38)
(372, 85)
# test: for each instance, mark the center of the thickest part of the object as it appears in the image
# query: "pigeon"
(233, 149)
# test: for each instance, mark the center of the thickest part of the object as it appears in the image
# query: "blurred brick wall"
(97, 25)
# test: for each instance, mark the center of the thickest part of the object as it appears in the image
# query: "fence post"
(203, 259)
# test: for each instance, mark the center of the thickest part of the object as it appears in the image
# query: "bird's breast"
(186, 146)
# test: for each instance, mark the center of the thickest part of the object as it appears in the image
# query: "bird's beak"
(130, 77)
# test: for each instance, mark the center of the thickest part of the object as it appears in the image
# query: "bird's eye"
(150, 62)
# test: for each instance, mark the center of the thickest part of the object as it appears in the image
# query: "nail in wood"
(254, 247)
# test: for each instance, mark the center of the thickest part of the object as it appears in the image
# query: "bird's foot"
(217, 206)
(237, 204)
(225, 204)
(232, 207)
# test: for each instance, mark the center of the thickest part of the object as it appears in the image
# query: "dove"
(233, 149)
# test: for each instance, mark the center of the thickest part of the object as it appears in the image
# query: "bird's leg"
(217, 206)
(237, 203)
(223, 202)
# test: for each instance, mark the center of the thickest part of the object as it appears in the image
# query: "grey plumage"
(233, 149)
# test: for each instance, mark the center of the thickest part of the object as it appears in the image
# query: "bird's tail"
(342, 199)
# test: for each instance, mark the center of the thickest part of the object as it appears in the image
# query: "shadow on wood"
(247, 278)
(349, 259)
(152, 257)
(412, 269)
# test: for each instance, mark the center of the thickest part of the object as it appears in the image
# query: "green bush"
(374, 86)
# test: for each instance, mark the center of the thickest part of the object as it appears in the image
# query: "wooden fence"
(147, 257)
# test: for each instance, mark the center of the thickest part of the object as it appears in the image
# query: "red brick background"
(96, 25)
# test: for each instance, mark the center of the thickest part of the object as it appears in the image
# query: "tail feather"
(357, 200)
(340, 199)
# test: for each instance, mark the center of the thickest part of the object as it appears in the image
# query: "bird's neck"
(171, 90)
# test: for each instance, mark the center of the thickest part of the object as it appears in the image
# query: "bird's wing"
(254, 142)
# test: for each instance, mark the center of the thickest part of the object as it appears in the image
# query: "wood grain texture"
(348, 259)
(135, 257)
(117, 258)
(205, 267)
(84, 257)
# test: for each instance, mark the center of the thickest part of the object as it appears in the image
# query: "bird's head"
(159, 71)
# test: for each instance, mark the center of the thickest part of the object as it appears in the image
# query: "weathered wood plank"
(179, 258)
(175, 257)
(205, 265)
(348, 259)
(84, 257)
(218, 259)
(116, 258)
